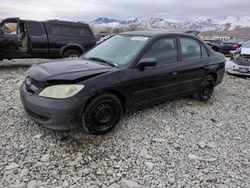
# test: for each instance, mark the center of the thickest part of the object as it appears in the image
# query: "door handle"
(174, 73)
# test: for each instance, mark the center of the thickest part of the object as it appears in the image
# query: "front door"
(9, 37)
(161, 81)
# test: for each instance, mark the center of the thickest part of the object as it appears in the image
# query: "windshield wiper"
(103, 61)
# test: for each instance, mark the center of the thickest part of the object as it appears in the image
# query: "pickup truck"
(47, 39)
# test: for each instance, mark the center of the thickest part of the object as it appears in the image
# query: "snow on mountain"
(130, 20)
(243, 21)
(104, 20)
(158, 24)
(199, 24)
(227, 20)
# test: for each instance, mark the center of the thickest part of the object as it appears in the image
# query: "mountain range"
(200, 24)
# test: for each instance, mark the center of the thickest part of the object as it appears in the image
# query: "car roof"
(65, 22)
(155, 33)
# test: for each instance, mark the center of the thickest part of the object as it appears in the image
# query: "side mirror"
(146, 62)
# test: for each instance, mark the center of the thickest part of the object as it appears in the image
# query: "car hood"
(67, 69)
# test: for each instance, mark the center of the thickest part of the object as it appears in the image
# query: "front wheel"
(102, 114)
(206, 89)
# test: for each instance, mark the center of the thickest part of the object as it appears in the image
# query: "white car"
(239, 64)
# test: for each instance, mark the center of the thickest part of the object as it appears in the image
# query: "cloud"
(91, 9)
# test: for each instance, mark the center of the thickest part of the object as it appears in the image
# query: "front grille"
(243, 61)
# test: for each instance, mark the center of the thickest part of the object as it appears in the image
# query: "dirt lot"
(181, 143)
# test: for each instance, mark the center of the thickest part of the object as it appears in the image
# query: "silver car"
(239, 64)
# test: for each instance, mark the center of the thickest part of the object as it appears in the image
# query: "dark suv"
(48, 39)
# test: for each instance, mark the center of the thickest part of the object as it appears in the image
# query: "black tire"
(102, 114)
(72, 53)
(206, 89)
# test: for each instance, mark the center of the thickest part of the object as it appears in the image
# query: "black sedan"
(231, 45)
(128, 71)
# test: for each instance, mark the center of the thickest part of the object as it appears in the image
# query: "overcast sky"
(119, 9)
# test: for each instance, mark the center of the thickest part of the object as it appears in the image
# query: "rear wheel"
(71, 53)
(102, 114)
(206, 89)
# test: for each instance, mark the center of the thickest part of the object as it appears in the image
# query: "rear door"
(57, 37)
(227, 46)
(193, 59)
(10, 38)
(62, 35)
(38, 41)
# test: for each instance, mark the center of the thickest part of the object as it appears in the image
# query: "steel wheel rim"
(207, 89)
(104, 115)
(73, 55)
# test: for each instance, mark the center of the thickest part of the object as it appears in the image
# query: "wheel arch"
(214, 75)
(72, 46)
(115, 92)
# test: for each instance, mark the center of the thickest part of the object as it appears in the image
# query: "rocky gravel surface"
(181, 143)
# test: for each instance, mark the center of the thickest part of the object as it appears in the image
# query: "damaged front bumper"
(54, 114)
(233, 68)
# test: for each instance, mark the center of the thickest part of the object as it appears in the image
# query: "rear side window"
(204, 51)
(190, 49)
(34, 29)
(68, 30)
(164, 50)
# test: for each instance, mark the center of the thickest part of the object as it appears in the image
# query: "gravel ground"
(181, 143)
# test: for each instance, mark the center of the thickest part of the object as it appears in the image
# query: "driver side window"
(164, 50)
(9, 28)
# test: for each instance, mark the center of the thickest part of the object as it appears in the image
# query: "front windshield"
(118, 50)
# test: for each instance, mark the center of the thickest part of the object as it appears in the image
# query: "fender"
(71, 45)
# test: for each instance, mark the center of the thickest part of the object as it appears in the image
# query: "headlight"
(61, 91)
